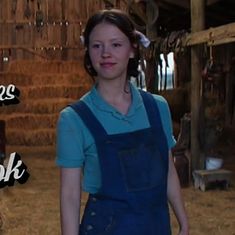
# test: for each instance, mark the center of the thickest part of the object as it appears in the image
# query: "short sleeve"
(69, 141)
(166, 120)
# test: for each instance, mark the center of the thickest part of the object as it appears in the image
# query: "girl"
(120, 138)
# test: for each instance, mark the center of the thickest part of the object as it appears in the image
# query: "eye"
(96, 46)
(117, 44)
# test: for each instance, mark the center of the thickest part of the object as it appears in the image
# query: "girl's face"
(110, 51)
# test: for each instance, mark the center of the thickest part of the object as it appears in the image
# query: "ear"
(132, 55)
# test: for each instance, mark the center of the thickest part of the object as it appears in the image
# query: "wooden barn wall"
(57, 38)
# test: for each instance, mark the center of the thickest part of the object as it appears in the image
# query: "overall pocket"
(143, 167)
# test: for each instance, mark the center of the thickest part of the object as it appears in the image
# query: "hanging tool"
(27, 11)
(39, 16)
(14, 6)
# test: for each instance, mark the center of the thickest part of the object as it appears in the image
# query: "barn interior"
(42, 55)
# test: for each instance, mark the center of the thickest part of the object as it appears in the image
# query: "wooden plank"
(52, 36)
(5, 16)
(186, 3)
(214, 36)
(1, 17)
(221, 41)
(180, 3)
(151, 61)
(50, 20)
(64, 30)
(75, 30)
(18, 33)
(213, 172)
(41, 47)
(211, 2)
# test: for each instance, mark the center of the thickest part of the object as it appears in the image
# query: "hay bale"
(9, 109)
(52, 106)
(61, 79)
(46, 88)
(16, 79)
(35, 67)
(47, 79)
(39, 137)
(45, 92)
(32, 121)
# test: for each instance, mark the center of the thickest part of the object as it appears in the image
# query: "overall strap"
(152, 109)
(154, 116)
(89, 119)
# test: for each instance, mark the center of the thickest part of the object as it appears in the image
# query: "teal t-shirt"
(76, 146)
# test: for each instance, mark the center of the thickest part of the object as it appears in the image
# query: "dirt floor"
(33, 208)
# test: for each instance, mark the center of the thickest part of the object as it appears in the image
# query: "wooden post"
(151, 70)
(197, 24)
(228, 67)
(64, 53)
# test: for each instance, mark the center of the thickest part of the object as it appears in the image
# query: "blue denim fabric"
(134, 167)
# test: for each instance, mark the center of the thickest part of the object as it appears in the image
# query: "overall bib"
(134, 166)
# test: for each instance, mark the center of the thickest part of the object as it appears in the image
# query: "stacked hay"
(46, 87)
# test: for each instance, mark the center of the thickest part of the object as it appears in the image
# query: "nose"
(105, 51)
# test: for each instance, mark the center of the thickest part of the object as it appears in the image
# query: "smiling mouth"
(107, 65)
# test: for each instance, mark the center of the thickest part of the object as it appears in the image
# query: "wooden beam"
(197, 24)
(186, 3)
(64, 31)
(151, 62)
(23, 47)
(49, 22)
(221, 41)
(180, 3)
(213, 36)
(211, 2)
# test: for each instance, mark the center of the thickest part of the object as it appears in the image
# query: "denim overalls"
(134, 166)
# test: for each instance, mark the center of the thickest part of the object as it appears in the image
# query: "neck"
(116, 94)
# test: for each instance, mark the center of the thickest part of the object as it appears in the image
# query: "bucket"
(213, 163)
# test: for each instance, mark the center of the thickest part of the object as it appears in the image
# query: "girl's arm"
(70, 200)
(175, 198)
